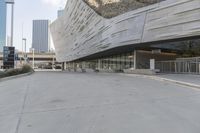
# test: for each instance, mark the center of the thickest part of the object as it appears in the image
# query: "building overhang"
(81, 32)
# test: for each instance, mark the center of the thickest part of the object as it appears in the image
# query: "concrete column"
(199, 68)
(69, 66)
(152, 64)
(83, 69)
(83, 64)
(197, 65)
(74, 66)
(135, 59)
(99, 64)
(175, 67)
(63, 65)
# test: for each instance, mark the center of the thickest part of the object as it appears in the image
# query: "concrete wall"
(82, 32)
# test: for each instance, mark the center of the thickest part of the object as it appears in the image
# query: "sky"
(28, 10)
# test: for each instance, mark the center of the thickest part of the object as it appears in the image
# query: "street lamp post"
(25, 56)
(33, 58)
(24, 39)
(12, 19)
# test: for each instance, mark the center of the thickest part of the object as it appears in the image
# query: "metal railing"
(181, 65)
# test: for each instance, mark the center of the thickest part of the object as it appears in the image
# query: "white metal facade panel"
(82, 32)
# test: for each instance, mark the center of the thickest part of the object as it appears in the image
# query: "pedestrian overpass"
(39, 58)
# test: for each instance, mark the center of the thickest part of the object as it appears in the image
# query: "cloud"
(55, 3)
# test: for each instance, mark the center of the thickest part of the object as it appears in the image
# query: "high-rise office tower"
(2, 24)
(60, 13)
(40, 35)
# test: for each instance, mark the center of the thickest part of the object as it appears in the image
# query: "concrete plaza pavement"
(57, 102)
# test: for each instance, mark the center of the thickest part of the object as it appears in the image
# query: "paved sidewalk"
(181, 79)
(193, 79)
(60, 102)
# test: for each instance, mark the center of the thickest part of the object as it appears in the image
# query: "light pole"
(25, 56)
(24, 39)
(33, 58)
(12, 19)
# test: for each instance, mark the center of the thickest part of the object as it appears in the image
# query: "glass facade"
(179, 56)
(117, 62)
(2, 24)
(114, 63)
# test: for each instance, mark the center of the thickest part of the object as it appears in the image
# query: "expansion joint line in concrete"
(93, 122)
(22, 109)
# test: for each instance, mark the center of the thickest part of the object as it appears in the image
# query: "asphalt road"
(56, 102)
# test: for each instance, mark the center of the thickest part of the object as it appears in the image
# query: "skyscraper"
(40, 35)
(2, 24)
(60, 13)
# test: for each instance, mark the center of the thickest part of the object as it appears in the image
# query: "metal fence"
(181, 65)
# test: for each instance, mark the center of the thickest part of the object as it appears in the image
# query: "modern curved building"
(157, 31)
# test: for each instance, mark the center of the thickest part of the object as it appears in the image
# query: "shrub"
(12, 72)
(2, 74)
(26, 69)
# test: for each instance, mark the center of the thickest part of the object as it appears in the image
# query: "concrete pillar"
(152, 64)
(135, 59)
(83, 69)
(99, 64)
(69, 66)
(83, 65)
(63, 66)
(74, 66)
(175, 67)
(199, 68)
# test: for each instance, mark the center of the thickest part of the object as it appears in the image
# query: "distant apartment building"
(40, 36)
(60, 13)
(2, 24)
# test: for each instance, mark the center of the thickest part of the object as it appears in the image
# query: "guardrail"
(187, 65)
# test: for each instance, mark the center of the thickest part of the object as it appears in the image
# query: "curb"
(179, 82)
(16, 76)
(47, 70)
(170, 80)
